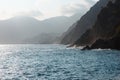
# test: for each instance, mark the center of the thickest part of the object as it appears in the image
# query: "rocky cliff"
(106, 31)
(86, 22)
(113, 43)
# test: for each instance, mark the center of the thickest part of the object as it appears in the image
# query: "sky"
(43, 9)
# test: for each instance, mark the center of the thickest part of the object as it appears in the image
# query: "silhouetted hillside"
(106, 31)
(86, 22)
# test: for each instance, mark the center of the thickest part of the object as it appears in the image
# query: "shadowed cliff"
(106, 31)
(86, 22)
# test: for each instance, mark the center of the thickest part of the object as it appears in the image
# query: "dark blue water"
(56, 62)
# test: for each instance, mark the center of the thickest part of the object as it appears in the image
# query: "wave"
(99, 49)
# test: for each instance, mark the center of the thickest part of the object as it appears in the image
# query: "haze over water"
(56, 62)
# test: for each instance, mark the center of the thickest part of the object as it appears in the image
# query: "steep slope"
(113, 43)
(106, 31)
(86, 22)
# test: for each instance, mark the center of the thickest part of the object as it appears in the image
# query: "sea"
(57, 62)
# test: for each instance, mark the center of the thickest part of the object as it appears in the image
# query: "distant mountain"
(43, 38)
(105, 33)
(86, 22)
(20, 28)
(57, 24)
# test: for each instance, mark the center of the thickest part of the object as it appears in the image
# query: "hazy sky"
(43, 8)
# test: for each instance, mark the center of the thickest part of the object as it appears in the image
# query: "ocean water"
(56, 62)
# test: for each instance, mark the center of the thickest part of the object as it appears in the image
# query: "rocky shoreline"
(113, 43)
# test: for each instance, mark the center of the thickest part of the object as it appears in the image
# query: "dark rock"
(86, 22)
(113, 43)
(106, 31)
(86, 48)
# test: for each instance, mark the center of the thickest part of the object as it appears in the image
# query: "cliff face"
(106, 31)
(86, 22)
(113, 43)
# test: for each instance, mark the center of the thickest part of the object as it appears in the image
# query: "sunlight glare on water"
(56, 62)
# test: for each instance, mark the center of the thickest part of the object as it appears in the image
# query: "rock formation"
(106, 31)
(86, 22)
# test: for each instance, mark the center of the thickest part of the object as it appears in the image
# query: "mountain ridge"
(105, 33)
(20, 28)
(85, 22)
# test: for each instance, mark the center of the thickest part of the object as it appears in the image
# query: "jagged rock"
(104, 33)
(86, 48)
(113, 43)
(86, 22)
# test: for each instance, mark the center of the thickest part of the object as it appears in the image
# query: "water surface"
(56, 62)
